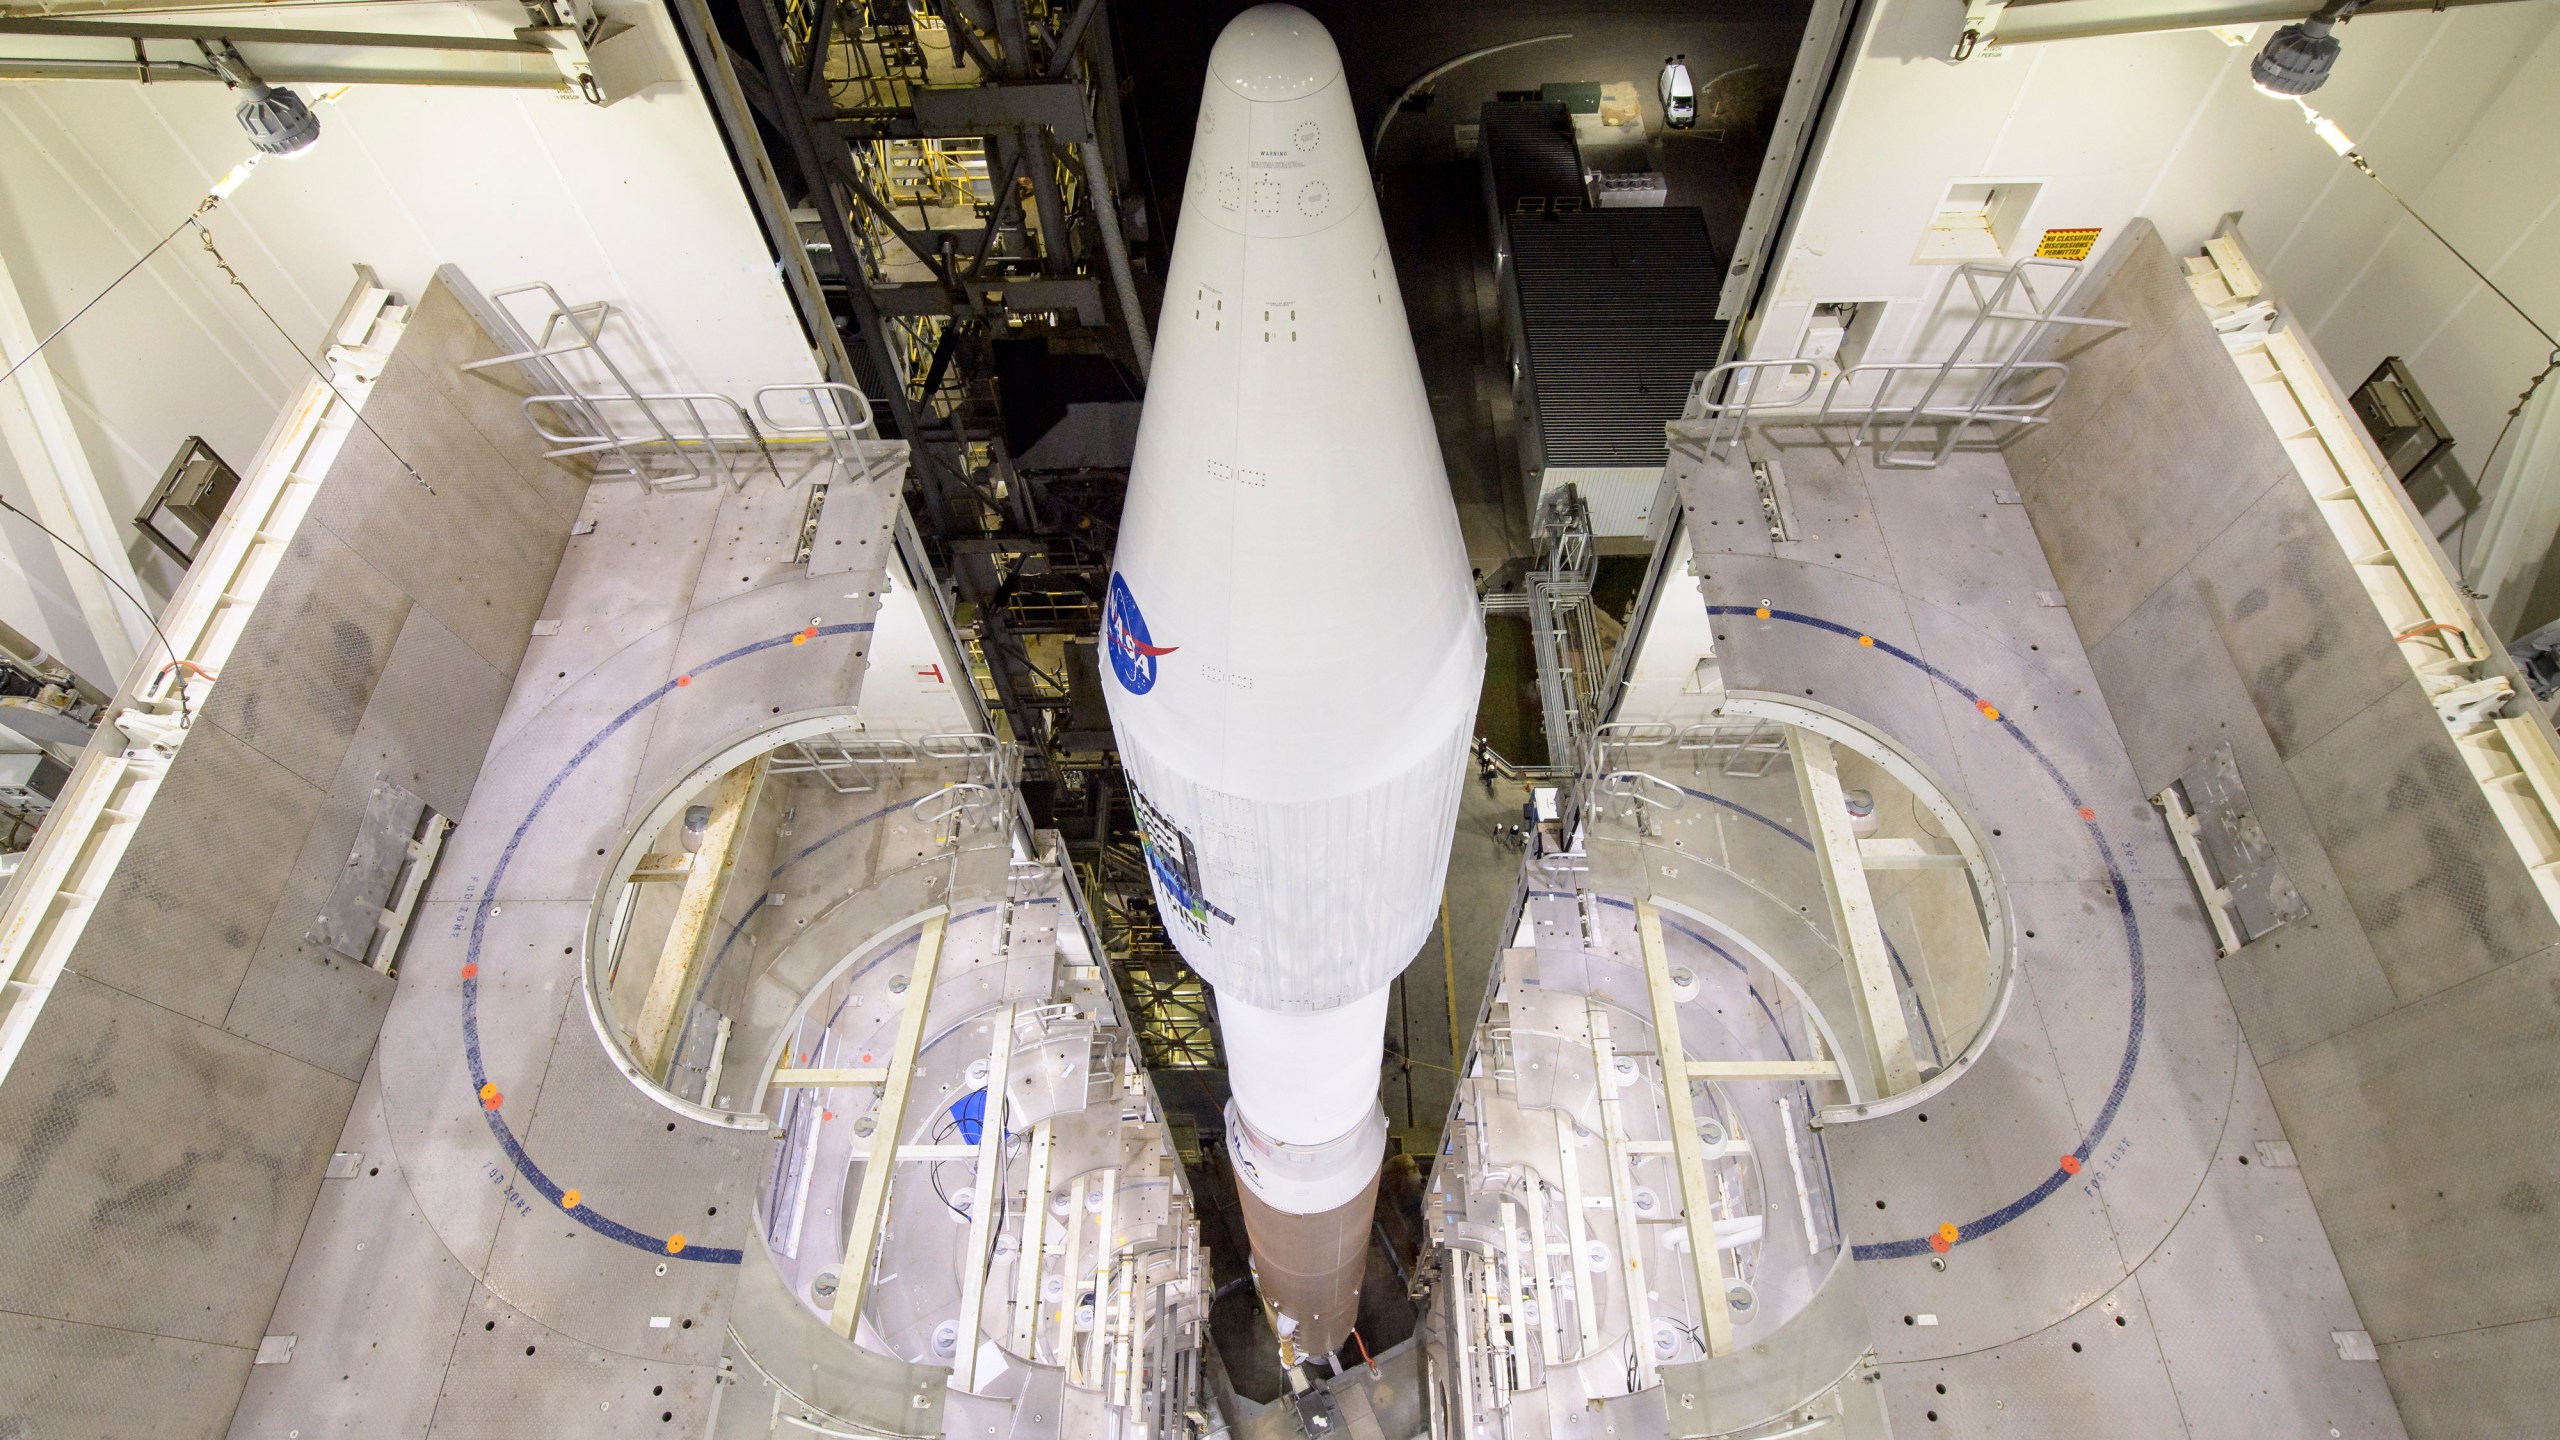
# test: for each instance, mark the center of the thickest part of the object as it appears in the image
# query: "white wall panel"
(2456, 109)
(635, 203)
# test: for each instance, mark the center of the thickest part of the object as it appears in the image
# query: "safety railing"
(2015, 308)
(673, 440)
(1981, 409)
(2020, 298)
(1727, 396)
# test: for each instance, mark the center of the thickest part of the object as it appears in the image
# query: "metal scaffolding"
(940, 182)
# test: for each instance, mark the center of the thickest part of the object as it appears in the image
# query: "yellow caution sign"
(2074, 244)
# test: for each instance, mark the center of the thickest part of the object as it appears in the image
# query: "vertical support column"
(862, 1237)
(1515, 1288)
(1569, 1172)
(1103, 1249)
(1539, 1265)
(1131, 1326)
(1853, 913)
(1070, 1277)
(1040, 157)
(1461, 1338)
(1035, 1237)
(986, 1201)
(1715, 1320)
(1622, 1201)
(37, 428)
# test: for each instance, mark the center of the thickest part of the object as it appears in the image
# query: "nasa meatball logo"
(1124, 634)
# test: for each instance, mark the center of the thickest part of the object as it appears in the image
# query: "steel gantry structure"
(938, 180)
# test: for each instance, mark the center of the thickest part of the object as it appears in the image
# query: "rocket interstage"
(1293, 642)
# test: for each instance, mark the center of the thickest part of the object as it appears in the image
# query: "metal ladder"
(2016, 297)
(1556, 598)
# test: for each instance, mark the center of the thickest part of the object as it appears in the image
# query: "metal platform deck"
(2134, 1255)
(506, 1306)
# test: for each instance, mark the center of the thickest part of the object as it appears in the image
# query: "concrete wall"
(164, 1133)
(2455, 109)
(2409, 1028)
(635, 203)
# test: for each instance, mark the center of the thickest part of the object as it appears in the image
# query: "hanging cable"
(2488, 460)
(149, 617)
(233, 276)
(2365, 167)
(156, 248)
(2335, 137)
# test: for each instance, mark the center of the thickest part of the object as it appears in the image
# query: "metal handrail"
(844, 418)
(699, 429)
(1983, 409)
(701, 437)
(2042, 313)
(1737, 410)
(586, 322)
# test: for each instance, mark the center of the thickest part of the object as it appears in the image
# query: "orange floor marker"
(568, 1199)
(675, 1244)
(1989, 710)
(2070, 1164)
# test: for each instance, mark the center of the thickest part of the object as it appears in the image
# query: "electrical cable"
(138, 263)
(149, 617)
(2347, 150)
(2364, 166)
(233, 276)
(2462, 533)
(195, 218)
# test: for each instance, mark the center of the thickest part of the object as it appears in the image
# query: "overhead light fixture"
(278, 121)
(2296, 59)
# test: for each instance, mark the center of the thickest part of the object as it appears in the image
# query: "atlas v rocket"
(1294, 647)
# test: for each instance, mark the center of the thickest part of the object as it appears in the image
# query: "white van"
(1679, 97)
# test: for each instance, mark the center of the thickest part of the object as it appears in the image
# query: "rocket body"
(1292, 643)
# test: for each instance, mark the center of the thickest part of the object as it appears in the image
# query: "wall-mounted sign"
(2074, 244)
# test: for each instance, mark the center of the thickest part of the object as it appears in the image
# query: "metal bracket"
(2245, 893)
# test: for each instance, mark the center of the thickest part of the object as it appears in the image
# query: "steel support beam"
(1035, 1222)
(790, 1079)
(888, 1121)
(986, 1201)
(1909, 854)
(1697, 1196)
(2022, 22)
(673, 984)
(51, 49)
(1057, 105)
(1855, 927)
(1078, 293)
(1622, 1200)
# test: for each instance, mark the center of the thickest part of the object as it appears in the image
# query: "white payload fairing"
(1293, 643)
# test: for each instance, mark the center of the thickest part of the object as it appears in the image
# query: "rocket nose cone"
(1275, 52)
